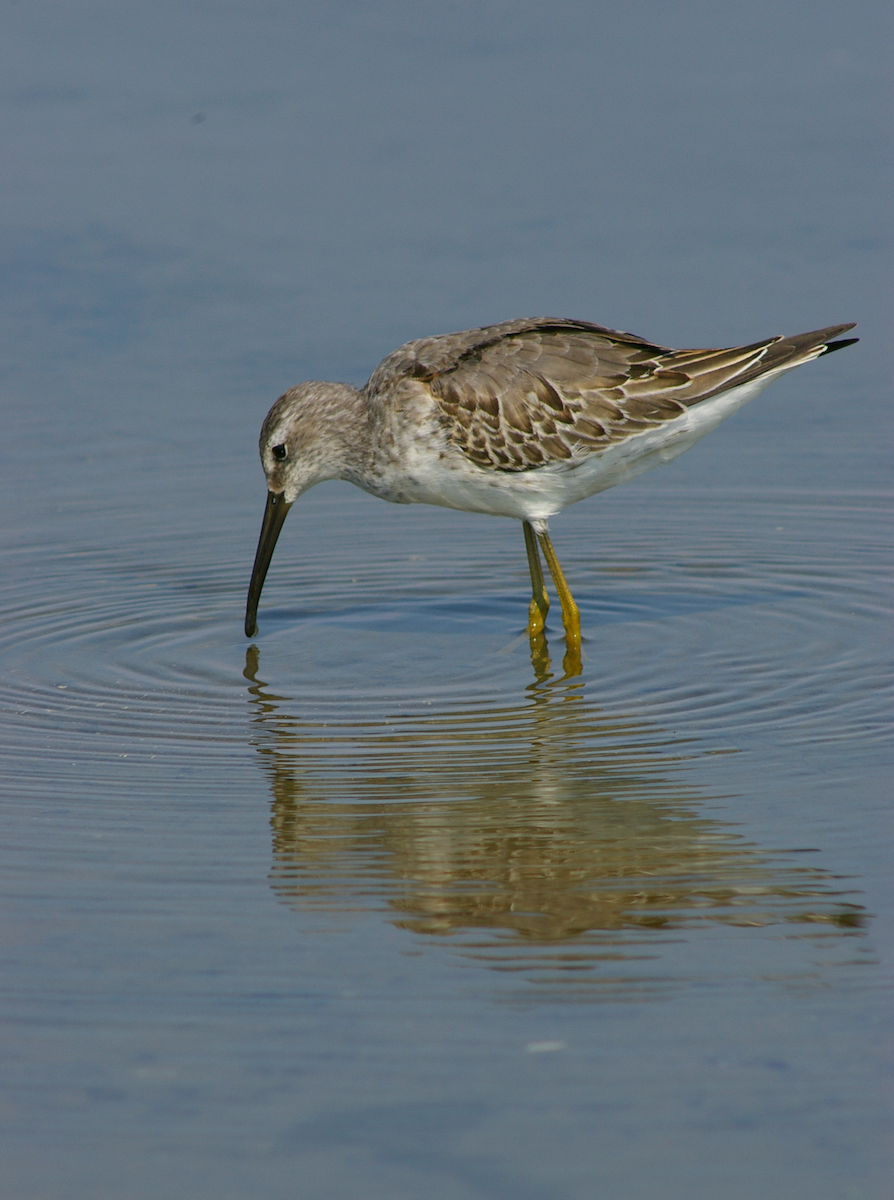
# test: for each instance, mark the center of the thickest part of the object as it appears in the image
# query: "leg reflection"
(540, 659)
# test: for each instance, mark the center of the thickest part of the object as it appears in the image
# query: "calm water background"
(366, 908)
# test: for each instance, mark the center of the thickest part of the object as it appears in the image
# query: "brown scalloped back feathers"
(519, 395)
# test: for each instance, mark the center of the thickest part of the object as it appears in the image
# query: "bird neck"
(343, 412)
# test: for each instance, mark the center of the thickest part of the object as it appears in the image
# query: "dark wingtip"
(839, 345)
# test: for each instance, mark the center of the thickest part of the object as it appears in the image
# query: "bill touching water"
(514, 420)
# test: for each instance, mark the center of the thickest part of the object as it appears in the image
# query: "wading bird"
(516, 420)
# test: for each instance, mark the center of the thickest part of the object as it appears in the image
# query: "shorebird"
(517, 420)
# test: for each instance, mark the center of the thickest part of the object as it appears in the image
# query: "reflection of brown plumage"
(544, 824)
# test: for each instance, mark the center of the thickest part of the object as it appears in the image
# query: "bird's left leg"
(570, 611)
(539, 605)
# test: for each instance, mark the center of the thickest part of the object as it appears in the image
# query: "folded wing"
(520, 395)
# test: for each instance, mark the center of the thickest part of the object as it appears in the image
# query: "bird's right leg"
(570, 612)
(539, 605)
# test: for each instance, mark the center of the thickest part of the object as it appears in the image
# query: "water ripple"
(139, 643)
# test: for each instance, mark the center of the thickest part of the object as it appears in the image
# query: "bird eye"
(279, 453)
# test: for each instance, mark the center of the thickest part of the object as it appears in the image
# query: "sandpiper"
(517, 420)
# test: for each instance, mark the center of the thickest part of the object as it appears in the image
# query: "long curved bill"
(274, 515)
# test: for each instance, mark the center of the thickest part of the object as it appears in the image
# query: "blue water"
(375, 905)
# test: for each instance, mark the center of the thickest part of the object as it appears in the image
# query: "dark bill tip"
(274, 515)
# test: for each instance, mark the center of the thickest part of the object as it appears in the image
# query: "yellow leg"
(539, 605)
(570, 611)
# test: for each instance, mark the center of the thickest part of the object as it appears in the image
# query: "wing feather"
(516, 396)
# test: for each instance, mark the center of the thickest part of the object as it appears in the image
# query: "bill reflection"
(543, 837)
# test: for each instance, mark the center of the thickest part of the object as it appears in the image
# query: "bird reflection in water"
(542, 837)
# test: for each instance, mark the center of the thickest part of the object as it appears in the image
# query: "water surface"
(373, 904)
